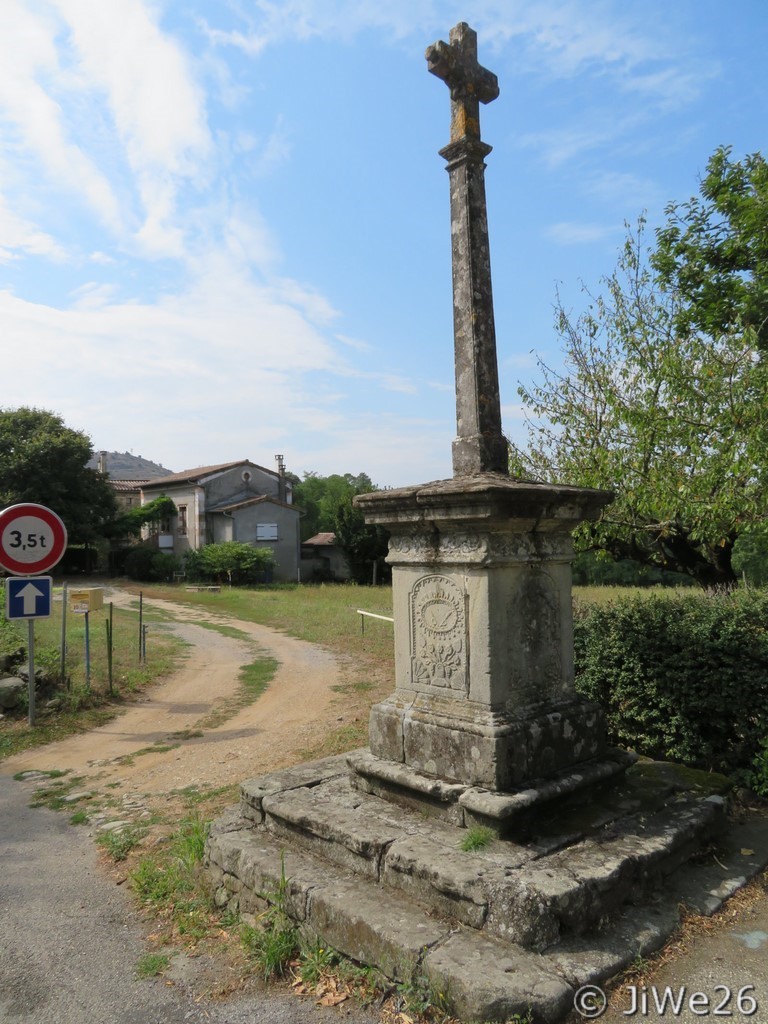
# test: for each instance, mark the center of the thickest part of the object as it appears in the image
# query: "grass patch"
(325, 614)
(53, 796)
(171, 884)
(229, 631)
(339, 741)
(16, 736)
(121, 842)
(79, 818)
(52, 773)
(477, 838)
(152, 965)
(253, 678)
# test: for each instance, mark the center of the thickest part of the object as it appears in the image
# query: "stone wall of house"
(244, 528)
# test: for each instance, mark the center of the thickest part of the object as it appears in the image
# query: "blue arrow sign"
(28, 597)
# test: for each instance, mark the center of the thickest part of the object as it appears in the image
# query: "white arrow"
(29, 595)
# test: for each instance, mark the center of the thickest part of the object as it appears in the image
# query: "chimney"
(103, 463)
(281, 492)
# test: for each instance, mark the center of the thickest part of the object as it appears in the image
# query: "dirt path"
(293, 714)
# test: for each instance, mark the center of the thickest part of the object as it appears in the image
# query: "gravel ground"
(70, 940)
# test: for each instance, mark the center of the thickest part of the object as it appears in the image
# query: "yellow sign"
(89, 600)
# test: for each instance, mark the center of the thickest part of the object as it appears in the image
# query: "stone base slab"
(508, 814)
(492, 751)
(583, 863)
(485, 976)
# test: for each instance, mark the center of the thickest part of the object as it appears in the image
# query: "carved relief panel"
(438, 635)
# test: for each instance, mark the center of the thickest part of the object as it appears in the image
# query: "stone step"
(512, 815)
(537, 891)
(480, 976)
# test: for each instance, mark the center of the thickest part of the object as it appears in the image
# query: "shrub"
(682, 677)
(230, 562)
(12, 644)
(150, 565)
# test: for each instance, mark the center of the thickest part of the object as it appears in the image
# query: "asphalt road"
(70, 939)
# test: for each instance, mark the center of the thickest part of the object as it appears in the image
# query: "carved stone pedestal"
(481, 587)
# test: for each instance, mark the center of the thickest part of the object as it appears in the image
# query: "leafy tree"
(673, 420)
(150, 565)
(713, 250)
(229, 562)
(365, 546)
(319, 497)
(750, 558)
(597, 568)
(327, 505)
(130, 522)
(44, 461)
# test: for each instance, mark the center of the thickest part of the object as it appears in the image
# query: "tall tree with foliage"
(44, 461)
(664, 405)
(327, 505)
(713, 250)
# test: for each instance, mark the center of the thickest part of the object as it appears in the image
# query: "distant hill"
(124, 466)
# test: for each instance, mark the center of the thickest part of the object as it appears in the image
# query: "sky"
(225, 228)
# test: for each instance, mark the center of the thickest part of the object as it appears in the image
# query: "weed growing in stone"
(274, 941)
(518, 1018)
(316, 960)
(79, 818)
(416, 994)
(157, 882)
(477, 838)
(58, 794)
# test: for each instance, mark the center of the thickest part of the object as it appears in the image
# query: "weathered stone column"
(480, 446)
(481, 563)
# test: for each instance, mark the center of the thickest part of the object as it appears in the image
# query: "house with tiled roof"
(323, 558)
(234, 501)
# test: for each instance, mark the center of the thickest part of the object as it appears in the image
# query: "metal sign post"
(31, 664)
(30, 598)
(33, 539)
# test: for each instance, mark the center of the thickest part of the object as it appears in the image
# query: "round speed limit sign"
(32, 539)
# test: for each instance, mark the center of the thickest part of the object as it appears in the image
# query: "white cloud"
(212, 370)
(93, 296)
(156, 105)
(558, 38)
(355, 343)
(383, 441)
(574, 233)
(19, 236)
(562, 145)
(625, 191)
(29, 65)
(513, 412)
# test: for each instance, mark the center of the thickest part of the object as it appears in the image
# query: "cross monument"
(481, 563)
(480, 446)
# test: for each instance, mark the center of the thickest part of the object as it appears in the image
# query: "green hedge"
(683, 677)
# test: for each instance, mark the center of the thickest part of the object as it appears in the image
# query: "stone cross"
(480, 446)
